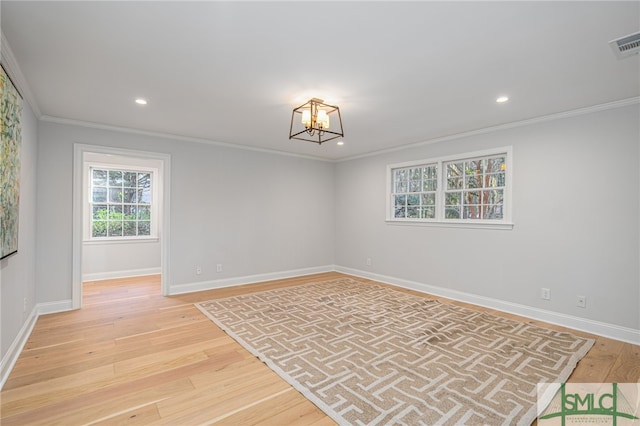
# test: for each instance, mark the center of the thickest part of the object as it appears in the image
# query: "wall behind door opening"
(109, 259)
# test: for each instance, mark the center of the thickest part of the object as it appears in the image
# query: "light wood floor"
(133, 356)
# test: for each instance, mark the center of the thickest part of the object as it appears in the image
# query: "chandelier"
(313, 122)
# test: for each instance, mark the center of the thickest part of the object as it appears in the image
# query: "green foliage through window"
(120, 203)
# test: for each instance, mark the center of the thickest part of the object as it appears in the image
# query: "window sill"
(121, 241)
(464, 225)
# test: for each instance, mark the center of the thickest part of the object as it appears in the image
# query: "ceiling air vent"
(626, 46)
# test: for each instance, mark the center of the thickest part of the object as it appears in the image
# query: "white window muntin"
(501, 189)
(153, 203)
(414, 191)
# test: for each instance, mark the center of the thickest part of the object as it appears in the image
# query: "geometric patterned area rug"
(367, 354)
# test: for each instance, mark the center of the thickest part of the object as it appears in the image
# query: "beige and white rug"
(368, 355)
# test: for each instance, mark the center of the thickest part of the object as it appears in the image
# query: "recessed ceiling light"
(141, 101)
(340, 143)
(502, 99)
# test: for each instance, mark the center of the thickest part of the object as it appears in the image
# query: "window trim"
(439, 220)
(154, 235)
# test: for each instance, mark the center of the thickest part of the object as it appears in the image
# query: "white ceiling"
(401, 72)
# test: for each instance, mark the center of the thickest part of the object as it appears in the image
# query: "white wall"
(18, 270)
(253, 212)
(575, 209)
(106, 260)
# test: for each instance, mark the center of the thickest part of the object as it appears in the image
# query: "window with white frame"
(472, 188)
(414, 192)
(121, 203)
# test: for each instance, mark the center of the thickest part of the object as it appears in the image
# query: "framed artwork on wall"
(10, 138)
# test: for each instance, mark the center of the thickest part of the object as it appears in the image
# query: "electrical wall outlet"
(581, 302)
(545, 293)
(368, 261)
(219, 267)
(198, 270)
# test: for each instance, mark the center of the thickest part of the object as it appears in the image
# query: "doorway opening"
(121, 216)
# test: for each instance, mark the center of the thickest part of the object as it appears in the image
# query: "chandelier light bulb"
(306, 118)
(323, 119)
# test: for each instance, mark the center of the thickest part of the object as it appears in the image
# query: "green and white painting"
(10, 137)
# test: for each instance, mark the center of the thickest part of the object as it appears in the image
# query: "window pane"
(429, 185)
(144, 213)
(495, 180)
(495, 165)
(144, 180)
(400, 212)
(144, 228)
(130, 179)
(99, 229)
(428, 199)
(494, 196)
(115, 178)
(430, 172)
(454, 169)
(401, 200)
(115, 195)
(413, 200)
(115, 213)
(99, 195)
(130, 195)
(99, 177)
(452, 198)
(115, 229)
(452, 212)
(144, 196)
(129, 229)
(413, 212)
(454, 183)
(474, 167)
(415, 174)
(493, 212)
(415, 186)
(129, 212)
(428, 212)
(473, 181)
(472, 212)
(100, 212)
(472, 197)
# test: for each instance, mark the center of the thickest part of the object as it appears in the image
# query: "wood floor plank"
(133, 356)
(597, 364)
(288, 408)
(219, 400)
(142, 415)
(627, 367)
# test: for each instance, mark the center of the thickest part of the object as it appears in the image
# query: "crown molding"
(542, 119)
(10, 64)
(129, 130)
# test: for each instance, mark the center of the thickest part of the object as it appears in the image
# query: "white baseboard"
(99, 276)
(54, 307)
(612, 331)
(9, 360)
(247, 279)
(11, 356)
